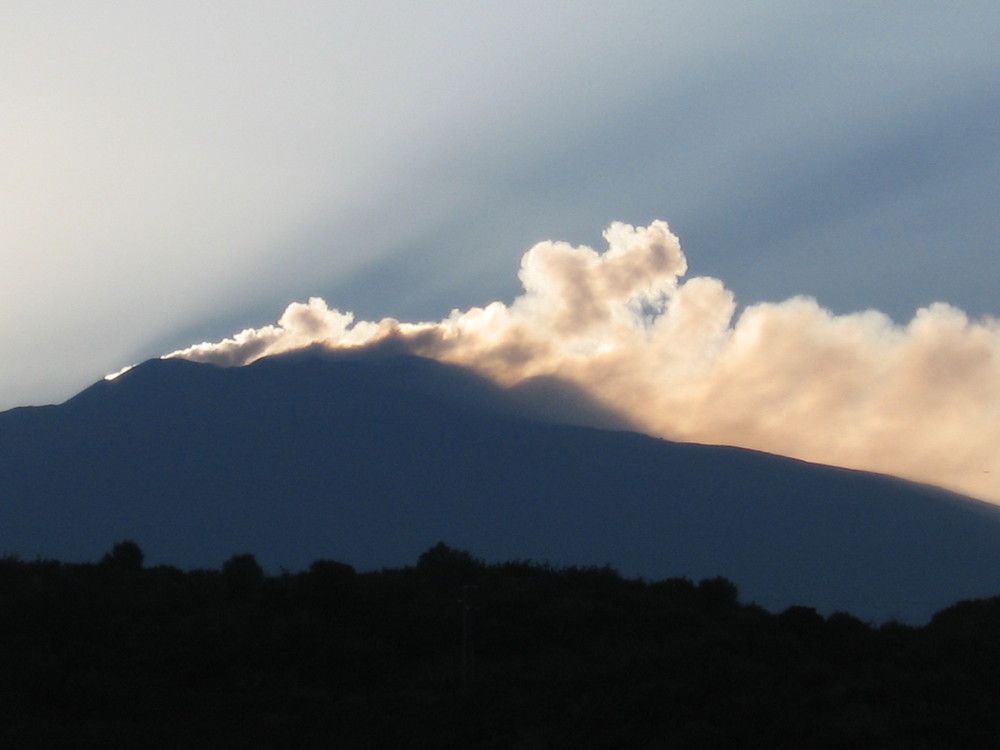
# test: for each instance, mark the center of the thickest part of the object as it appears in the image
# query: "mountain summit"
(371, 459)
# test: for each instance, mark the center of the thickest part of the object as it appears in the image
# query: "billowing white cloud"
(921, 401)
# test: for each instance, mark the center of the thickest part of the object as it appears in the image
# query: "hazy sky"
(174, 172)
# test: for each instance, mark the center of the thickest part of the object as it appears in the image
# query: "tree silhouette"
(125, 555)
(243, 574)
(449, 568)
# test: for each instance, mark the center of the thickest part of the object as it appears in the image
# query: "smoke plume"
(920, 401)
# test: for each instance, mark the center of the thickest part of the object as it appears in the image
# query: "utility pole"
(468, 655)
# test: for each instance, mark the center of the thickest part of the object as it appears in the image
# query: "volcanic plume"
(677, 359)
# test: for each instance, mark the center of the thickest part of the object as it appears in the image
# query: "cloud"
(920, 401)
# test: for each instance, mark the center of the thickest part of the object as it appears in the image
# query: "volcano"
(372, 457)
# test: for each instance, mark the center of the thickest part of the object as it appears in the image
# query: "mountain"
(371, 459)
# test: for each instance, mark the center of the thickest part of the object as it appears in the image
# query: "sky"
(171, 173)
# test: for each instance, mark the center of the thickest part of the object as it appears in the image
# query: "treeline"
(456, 653)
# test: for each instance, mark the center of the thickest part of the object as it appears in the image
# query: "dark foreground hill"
(371, 460)
(453, 653)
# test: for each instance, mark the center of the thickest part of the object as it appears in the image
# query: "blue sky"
(173, 172)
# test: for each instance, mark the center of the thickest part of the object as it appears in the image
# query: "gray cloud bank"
(920, 401)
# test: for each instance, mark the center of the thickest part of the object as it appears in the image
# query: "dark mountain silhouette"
(370, 459)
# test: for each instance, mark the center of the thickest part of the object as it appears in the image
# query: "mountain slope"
(372, 460)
